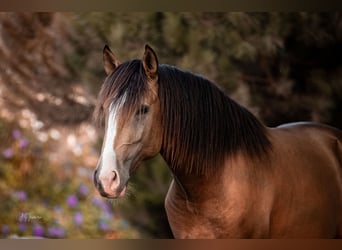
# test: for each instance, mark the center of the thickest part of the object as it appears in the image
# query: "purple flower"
(78, 218)
(7, 153)
(23, 143)
(38, 230)
(107, 210)
(72, 200)
(20, 195)
(105, 207)
(56, 232)
(97, 201)
(5, 229)
(83, 190)
(22, 227)
(24, 217)
(16, 133)
(103, 225)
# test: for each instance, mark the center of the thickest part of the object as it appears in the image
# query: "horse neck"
(239, 172)
(197, 188)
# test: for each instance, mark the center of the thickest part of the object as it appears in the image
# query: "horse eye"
(143, 110)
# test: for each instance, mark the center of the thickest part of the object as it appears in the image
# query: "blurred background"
(284, 67)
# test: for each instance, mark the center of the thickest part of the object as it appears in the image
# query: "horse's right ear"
(150, 63)
(110, 62)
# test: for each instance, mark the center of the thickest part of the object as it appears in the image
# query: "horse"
(233, 177)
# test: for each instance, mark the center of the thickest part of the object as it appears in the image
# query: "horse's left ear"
(150, 63)
(110, 62)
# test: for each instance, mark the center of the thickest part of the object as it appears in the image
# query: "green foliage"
(276, 54)
(144, 206)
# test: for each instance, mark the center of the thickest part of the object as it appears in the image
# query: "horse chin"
(123, 192)
(116, 195)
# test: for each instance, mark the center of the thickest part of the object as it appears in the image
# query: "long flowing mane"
(202, 126)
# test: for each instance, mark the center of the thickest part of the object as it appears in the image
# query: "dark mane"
(127, 83)
(201, 125)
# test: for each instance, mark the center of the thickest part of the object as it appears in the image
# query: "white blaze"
(108, 153)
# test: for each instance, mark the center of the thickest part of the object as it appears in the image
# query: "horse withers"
(233, 176)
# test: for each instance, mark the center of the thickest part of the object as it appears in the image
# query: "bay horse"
(233, 177)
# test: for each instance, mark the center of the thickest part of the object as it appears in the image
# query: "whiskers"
(130, 192)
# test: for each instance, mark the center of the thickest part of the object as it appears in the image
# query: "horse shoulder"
(236, 213)
(185, 219)
(178, 213)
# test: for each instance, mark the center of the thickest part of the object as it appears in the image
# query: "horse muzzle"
(109, 184)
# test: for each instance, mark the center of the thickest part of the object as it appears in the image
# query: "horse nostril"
(115, 175)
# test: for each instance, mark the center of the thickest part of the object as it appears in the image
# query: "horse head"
(129, 102)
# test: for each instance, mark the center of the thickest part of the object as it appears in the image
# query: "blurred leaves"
(55, 62)
(33, 72)
(291, 60)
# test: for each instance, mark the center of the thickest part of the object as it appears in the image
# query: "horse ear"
(150, 63)
(110, 62)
